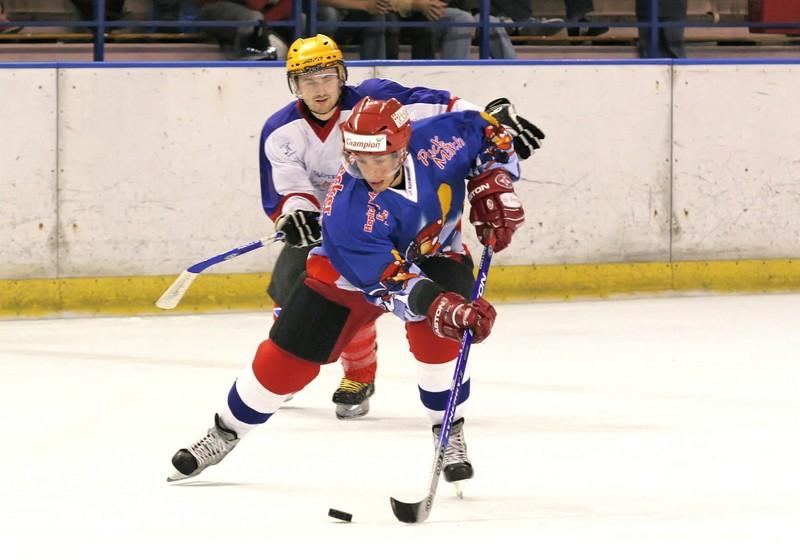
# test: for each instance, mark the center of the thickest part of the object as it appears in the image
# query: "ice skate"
(210, 450)
(352, 399)
(457, 467)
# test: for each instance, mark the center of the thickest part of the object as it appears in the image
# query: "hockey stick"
(173, 295)
(419, 511)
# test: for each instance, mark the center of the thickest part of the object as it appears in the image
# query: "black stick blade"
(410, 513)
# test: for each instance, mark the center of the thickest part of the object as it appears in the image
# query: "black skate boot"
(352, 399)
(210, 450)
(456, 463)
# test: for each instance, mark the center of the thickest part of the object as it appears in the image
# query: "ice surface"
(635, 428)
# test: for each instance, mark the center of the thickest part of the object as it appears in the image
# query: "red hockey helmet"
(376, 127)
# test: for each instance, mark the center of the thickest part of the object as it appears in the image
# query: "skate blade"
(458, 486)
(176, 476)
(351, 411)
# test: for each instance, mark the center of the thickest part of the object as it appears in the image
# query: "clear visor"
(322, 78)
(391, 162)
(315, 77)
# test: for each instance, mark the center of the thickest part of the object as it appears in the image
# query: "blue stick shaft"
(417, 512)
(252, 246)
(463, 353)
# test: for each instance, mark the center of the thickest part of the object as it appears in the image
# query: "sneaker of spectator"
(4, 19)
(540, 26)
(250, 53)
(586, 31)
(576, 13)
(250, 40)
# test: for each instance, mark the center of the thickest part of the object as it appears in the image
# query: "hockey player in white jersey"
(300, 153)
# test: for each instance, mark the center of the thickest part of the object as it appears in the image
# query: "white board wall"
(737, 162)
(28, 174)
(157, 167)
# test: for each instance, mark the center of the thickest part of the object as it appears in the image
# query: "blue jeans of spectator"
(456, 41)
(499, 42)
(670, 39)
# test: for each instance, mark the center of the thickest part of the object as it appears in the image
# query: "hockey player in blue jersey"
(391, 241)
(300, 154)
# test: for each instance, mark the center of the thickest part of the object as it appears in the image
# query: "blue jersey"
(299, 157)
(374, 240)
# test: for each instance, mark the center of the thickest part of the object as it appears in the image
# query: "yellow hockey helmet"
(313, 54)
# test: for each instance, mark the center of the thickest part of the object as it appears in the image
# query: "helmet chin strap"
(397, 175)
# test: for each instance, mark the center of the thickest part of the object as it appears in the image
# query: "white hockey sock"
(249, 404)
(434, 382)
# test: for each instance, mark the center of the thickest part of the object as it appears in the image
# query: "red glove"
(496, 210)
(450, 315)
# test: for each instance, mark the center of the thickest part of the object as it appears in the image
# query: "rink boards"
(654, 176)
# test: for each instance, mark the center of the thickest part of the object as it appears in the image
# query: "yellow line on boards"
(132, 295)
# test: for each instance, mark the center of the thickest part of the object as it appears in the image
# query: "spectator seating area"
(141, 43)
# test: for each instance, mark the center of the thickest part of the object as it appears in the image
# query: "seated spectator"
(372, 40)
(249, 42)
(455, 41)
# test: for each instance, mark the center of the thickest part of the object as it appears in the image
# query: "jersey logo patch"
(426, 242)
(440, 151)
(288, 150)
(374, 213)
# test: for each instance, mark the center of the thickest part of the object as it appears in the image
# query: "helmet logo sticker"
(364, 142)
(400, 117)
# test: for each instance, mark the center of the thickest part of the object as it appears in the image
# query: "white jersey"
(300, 157)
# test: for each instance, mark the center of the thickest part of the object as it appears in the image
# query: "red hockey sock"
(360, 358)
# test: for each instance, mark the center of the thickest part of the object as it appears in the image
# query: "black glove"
(527, 136)
(300, 228)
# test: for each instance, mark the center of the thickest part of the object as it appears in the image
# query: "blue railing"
(311, 25)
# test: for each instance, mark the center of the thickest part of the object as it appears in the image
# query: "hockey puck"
(343, 515)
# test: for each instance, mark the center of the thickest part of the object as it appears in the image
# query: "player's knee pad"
(427, 347)
(309, 325)
(281, 372)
